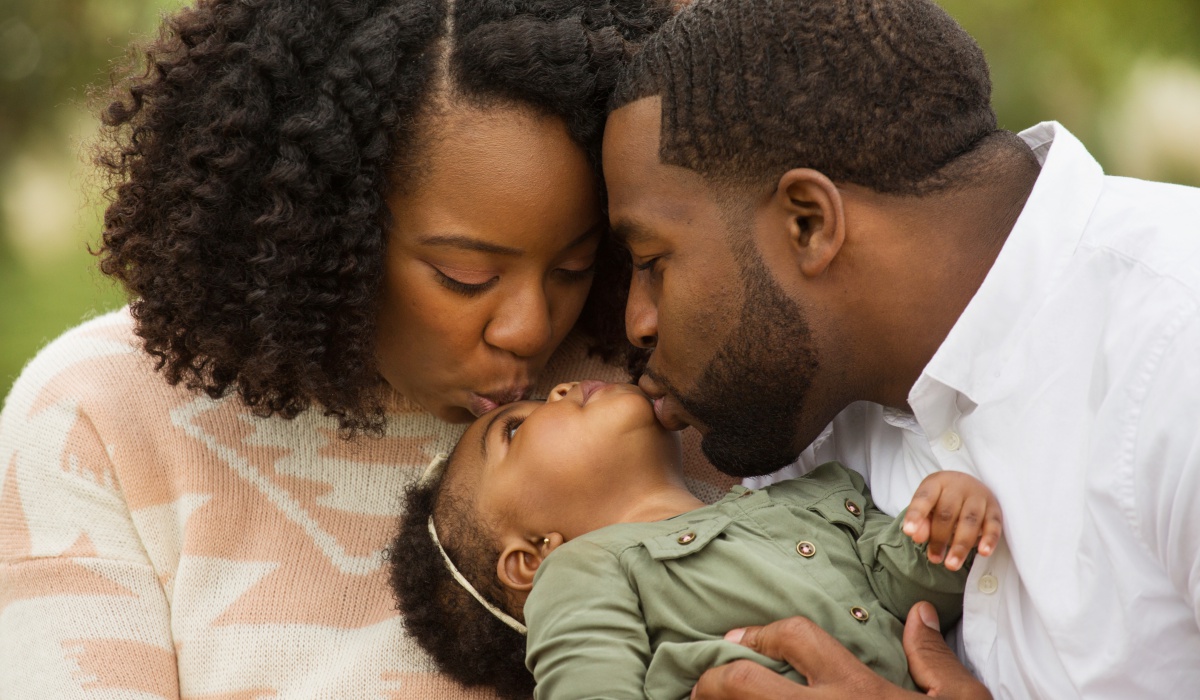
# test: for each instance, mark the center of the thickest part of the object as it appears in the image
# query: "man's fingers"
(745, 680)
(931, 663)
(812, 651)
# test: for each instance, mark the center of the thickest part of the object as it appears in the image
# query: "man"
(838, 255)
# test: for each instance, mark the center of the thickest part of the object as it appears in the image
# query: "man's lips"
(666, 409)
(669, 413)
(480, 404)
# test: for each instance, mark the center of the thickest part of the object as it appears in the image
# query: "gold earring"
(545, 541)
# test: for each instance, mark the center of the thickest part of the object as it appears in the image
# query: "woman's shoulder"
(98, 356)
(98, 374)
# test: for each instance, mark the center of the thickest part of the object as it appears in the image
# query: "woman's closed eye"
(464, 282)
(576, 273)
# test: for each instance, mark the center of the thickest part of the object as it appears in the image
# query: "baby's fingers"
(993, 528)
(966, 534)
(943, 525)
(916, 520)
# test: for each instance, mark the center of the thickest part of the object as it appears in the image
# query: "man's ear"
(815, 218)
(520, 560)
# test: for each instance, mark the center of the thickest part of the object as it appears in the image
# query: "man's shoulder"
(1153, 226)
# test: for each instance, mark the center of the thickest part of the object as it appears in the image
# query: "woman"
(346, 228)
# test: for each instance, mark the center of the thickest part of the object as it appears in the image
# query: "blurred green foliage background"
(1123, 75)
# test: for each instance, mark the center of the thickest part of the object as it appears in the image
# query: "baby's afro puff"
(468, 643)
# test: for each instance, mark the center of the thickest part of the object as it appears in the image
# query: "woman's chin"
(453, 414)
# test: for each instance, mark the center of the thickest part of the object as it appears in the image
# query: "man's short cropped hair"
(878, 93)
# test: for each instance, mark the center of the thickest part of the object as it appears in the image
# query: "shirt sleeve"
(1163, 473)
(901, 574)
(897, 568)
(587, 637)
(82, 610)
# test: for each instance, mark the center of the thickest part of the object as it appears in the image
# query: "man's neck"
(959, 235)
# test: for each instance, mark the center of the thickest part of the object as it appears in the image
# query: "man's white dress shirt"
(1070, 386)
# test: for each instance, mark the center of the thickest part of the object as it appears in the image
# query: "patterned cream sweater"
(155, 543)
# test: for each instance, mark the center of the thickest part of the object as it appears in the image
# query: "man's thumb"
(929, 659)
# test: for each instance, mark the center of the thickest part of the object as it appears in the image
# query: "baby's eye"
(510, 426)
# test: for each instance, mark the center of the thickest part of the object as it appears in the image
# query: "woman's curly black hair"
(250, 163)
(466, 641)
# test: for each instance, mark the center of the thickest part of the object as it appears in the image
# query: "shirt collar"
(1033, 257)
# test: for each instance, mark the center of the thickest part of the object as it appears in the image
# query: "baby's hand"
(954, 510)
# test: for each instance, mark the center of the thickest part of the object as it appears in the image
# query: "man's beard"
(752, 393)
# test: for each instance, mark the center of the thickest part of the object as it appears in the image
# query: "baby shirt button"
(988, 584)
(806, 549)
(686, 538)
(860, 613)
(853, 508)
(951, 441)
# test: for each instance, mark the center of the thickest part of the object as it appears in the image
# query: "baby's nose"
(559, 392)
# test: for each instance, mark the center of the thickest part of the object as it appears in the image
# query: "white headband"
(432, 472)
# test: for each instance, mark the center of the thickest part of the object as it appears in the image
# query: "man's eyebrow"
(468, 243)
(487, 430)
(630, 232)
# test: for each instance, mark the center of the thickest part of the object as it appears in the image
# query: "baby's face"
(544, 463)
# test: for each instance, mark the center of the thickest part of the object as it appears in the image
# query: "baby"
(559, 537)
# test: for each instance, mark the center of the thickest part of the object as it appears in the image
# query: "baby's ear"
(521, 558)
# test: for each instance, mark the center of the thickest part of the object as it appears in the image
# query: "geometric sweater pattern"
(156, 543)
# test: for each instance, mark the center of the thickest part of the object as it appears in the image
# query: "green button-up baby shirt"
(638, 610)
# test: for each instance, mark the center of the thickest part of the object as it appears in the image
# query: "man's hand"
(832, 671)
(953, 512)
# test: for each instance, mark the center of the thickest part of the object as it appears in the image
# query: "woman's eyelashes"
(466, 289)
(579, 275)
(472, 289)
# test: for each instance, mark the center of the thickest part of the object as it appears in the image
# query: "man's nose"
(641, 317)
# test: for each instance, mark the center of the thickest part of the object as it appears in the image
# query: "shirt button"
(806, 549)
(853, 508)
(686, 538)
(988, 584)
(951, 441)
(860, 613)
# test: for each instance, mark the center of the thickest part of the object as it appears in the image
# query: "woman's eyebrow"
(483, 449)
(468, 243)
(595, 230)
(453, 240)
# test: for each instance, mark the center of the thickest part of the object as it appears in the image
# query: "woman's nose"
(559, 392)
(521, 324)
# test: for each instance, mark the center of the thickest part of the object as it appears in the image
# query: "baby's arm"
(587, 637)
(949, 509)
(955, 511)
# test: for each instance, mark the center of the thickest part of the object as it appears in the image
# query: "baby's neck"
(659, 504)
